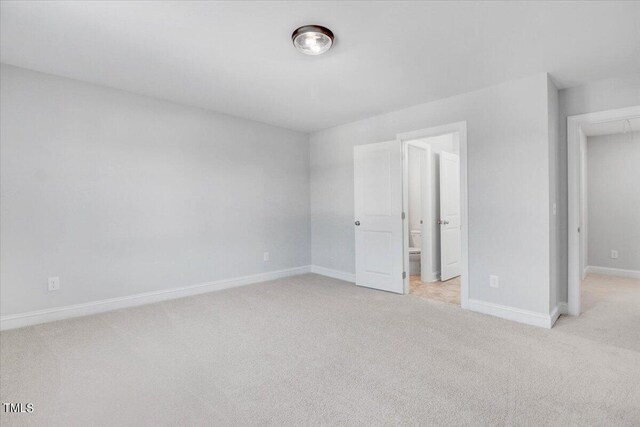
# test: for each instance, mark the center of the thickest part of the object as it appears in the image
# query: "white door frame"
(404, 138)
(576, 211)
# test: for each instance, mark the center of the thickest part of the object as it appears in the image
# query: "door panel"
(378, 215)
(377, 182)
(450, 236)
(376, 245)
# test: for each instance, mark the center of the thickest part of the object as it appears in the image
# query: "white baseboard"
(563, 308)
(336, 274)
(620, 272)
(518, 315)
(58, 313)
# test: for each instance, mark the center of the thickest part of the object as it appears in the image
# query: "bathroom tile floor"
(448, 291)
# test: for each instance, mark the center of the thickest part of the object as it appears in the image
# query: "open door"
(378, 216)
(450, 219)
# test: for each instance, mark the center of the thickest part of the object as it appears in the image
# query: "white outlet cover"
(494, 281)
(53, 283)
(265, 257)
(614, 254)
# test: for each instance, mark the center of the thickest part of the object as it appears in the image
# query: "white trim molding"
(336, 274)
(575, 212)
(563, 308)
(516, 314)
(620, 272)
(94, 307)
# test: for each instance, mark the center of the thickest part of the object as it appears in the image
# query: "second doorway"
(434, 217)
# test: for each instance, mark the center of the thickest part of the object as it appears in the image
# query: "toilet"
(415, 245)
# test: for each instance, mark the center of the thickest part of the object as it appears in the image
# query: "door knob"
(357, 222)
(443, 222)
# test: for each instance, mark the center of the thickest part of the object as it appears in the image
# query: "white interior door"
(450, 236)
(378, 216)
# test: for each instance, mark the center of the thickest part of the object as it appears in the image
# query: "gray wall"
(508, 151)
(597, 96)
(613, 201)
(119, 194)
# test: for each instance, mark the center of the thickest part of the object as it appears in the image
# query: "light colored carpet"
(309, 350)
(448, 291)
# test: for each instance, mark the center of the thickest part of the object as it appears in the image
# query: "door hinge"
(403, 215)
(404, 274)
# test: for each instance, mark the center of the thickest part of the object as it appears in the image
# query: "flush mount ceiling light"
(312, 39)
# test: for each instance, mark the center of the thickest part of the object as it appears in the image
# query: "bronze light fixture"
(312, 39)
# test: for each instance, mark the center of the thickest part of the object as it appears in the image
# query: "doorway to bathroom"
(434, 217)
(383, 244)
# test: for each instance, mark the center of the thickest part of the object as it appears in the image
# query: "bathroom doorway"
(434, 206)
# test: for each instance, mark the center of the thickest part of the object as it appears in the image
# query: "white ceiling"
(611, 128)
(237, 57)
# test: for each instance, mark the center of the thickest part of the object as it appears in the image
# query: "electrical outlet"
(265, 257)
(494, 281)
(53, 283)
(614, 254)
